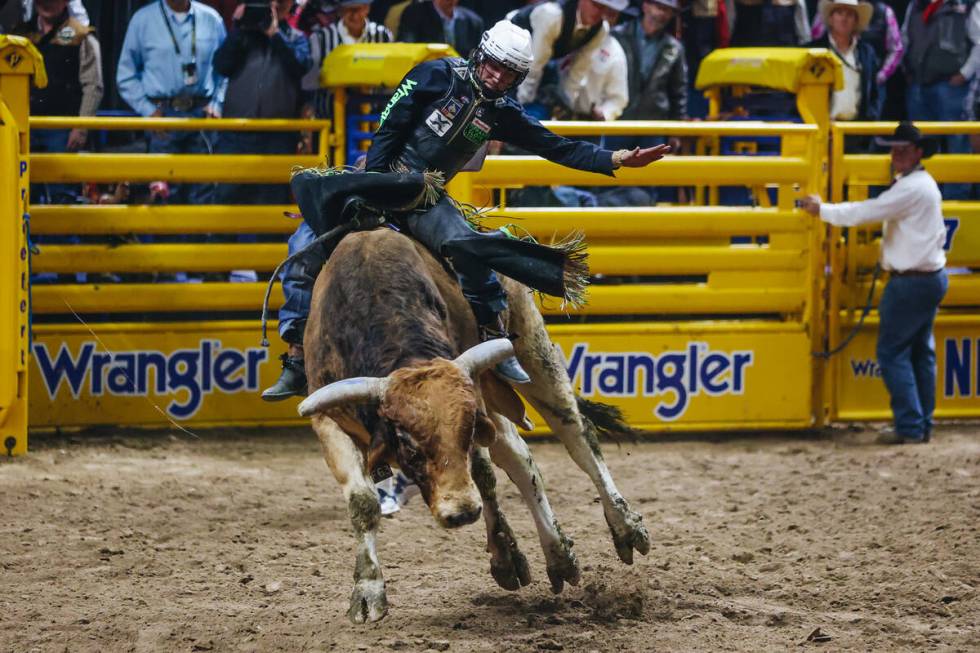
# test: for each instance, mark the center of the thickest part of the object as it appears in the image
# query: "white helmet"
(508, 45)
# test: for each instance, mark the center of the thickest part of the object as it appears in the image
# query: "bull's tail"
(607, 419)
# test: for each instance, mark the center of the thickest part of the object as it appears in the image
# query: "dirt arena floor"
(240, 542)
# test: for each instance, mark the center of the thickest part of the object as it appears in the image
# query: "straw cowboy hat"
(863, 9)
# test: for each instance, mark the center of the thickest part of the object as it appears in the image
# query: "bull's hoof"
(630, 534)
(562, 564)
(508, 566)
(368, 602)
(511, 574)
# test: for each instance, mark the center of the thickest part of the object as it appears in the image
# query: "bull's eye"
(411, 454)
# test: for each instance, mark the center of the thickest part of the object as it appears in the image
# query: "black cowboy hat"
(907, 134)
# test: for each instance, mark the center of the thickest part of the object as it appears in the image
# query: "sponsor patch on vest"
(477, 131)
(66, 33)
(438, 123)
(451, 109)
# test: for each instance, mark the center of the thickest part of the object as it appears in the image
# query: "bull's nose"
(463, 518)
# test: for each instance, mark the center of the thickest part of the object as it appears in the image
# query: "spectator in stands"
(860, 97)
(441, 21)
(352, 26)
(592, 84)
(75, 9)
(884, 35)
(165, 69)
(313, 14)
(769, 23)
(559, 29)
(656, 71)
(942, 40)
(707, 27)
(264, 60)
(73, 62)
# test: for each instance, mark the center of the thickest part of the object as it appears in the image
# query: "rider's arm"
(524, 131)
(423, 85)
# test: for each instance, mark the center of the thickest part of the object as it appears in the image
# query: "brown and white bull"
(392, 346)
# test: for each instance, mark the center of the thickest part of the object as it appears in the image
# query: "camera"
(257, 16)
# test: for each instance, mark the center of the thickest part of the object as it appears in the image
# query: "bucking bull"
(392, 345)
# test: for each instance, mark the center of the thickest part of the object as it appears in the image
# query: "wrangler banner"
(861, 393)
(201, 373)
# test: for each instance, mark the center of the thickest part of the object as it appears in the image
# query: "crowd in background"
(594, 60)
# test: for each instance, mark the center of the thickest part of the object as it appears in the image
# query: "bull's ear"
(501, 398)
(484, 432)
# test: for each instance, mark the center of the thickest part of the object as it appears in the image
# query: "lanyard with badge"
(190, 68)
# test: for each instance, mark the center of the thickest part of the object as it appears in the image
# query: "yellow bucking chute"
(15, 52)
(783, 69)
(20, 63)
(377, 64)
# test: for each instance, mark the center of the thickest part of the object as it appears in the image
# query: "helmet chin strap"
(478, 85)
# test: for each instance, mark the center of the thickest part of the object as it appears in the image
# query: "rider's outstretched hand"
(637, 158)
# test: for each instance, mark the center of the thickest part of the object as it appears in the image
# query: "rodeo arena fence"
(702, 316)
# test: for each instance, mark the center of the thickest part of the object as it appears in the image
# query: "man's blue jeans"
(907, 349)
(947, 103)
(297, 286)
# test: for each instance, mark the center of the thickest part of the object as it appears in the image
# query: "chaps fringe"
(576, 270)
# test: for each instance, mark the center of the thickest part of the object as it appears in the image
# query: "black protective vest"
(454, 127)
(937, 49)
(563, 44)
(62, 60)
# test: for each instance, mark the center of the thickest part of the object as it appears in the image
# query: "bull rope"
(336, 231)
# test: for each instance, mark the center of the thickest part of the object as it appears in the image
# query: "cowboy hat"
(908, 134)
(863, 9)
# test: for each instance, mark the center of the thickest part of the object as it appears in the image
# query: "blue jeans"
(185, 142)
(944, 102)
(907, 349)
(297, 286)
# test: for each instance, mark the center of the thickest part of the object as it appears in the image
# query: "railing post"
(813, 102)
(19, 62)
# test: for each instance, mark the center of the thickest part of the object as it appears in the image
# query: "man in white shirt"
(912, 251)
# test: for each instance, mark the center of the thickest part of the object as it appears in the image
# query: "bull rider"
(441, 116)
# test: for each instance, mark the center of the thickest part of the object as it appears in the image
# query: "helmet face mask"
(506, 47)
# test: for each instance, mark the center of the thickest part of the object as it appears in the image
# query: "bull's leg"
(508, 566)
(368, 601)
(510, 452)
(551, 394)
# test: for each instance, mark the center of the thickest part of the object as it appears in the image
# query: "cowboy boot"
(292, 381)
(509, 369)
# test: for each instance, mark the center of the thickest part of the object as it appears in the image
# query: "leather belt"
(182, 102)
(913, 273)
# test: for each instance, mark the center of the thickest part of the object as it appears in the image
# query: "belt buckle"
(182, 103)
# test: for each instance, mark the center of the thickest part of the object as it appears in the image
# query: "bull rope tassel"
(340, 229)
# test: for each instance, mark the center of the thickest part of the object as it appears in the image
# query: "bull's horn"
(358, 390)
(485, 355)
